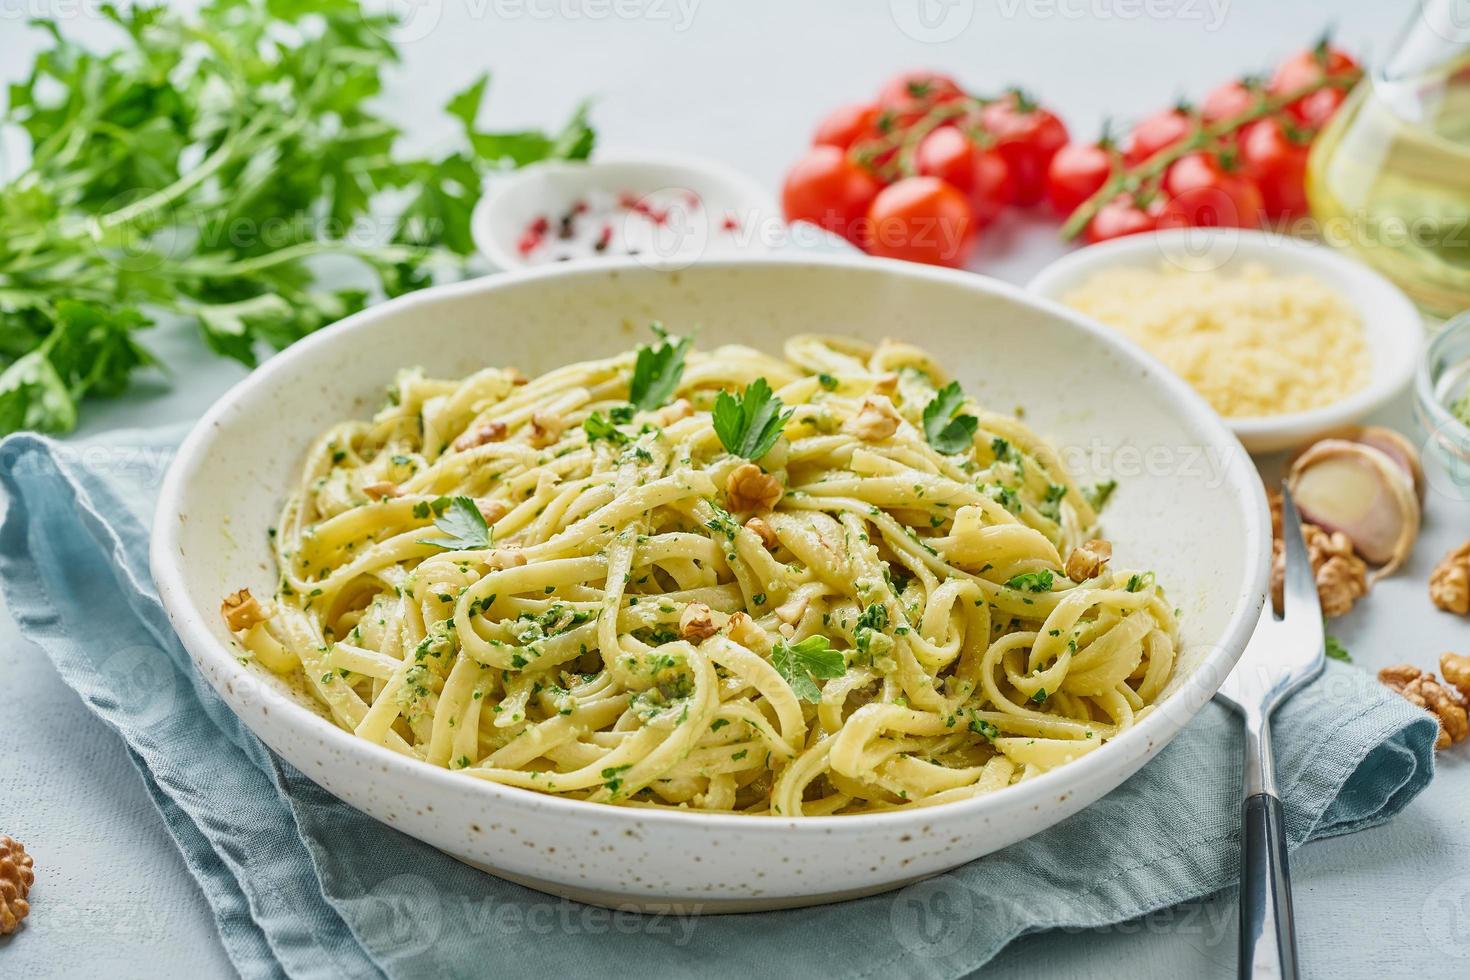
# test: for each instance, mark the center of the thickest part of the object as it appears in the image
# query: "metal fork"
(1282, 656)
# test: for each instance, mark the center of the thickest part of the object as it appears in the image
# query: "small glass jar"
(1442, 379)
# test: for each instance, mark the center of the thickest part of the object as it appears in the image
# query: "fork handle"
(1267, 937)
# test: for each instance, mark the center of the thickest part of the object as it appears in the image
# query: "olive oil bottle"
(1389, 177)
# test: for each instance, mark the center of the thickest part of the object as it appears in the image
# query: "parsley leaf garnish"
(750, 426)
(798, 663)
(1097, 496)
(598, 427)
(946, 430)
(1032, 581)
(1336, 651)
(657, 371)
(463, 525)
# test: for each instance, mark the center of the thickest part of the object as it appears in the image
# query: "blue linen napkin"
(305, 886)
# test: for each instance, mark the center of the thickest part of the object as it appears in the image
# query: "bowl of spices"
(1284, 338)
(670, 210)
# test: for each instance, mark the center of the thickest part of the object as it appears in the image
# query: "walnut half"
(748, 488)
(1425, 691)
(1449, 583)
(16, 877)
(1087, 560)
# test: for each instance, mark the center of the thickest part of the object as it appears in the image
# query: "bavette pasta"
(827, 583)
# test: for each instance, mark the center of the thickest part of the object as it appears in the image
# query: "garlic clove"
(1364, 493)
(1389, 442)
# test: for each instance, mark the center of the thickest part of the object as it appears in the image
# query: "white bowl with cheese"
(1219, 353)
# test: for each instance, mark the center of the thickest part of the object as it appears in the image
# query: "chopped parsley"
(463, 525)
(800, 662)
(597, 426)
(1099, 493)
(1336, 651)
(657, 370)
(948, 431)
(750, 426)
(1032, 581)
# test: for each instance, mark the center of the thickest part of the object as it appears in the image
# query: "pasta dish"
(826, 583)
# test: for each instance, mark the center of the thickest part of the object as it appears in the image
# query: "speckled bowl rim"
(1111, 762)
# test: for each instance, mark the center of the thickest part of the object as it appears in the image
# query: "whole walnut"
(16, 878)
(1449, 583)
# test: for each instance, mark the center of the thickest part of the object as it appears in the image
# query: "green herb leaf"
(1336, 651)
(800, 662)
(598, 427)
(1032, 581)
(1099, 493)
(751, 425)
(657, 370)
(463, 525)
(948, 431)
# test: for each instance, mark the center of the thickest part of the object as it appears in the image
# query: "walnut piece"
(16, 877)
(1456, 671)
(1449, 583)
(491, 510)
(791, 611)
(502, 558)
(241, 611)
(749, 488)
(546, 428)
(1425, 691)
(875, 421)
(1342, 577)
(479, 436)
(742, 630)
(763, 531)
(697, 622)
(381, 489)
(886, 384)
(1087, 560)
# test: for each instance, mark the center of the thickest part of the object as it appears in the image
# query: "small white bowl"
(515, 199)
(1392, 328)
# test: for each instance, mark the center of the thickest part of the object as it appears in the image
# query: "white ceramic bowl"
(1392, 327)
(1189, 506)
(513, 200)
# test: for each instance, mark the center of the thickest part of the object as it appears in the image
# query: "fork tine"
(1299, 597)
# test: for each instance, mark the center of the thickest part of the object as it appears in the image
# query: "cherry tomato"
(847, 124)
(977, 172)
(1157, 132)
(827, 189)
(922, 219)
(1078, 171)
(1027, 137)
(909, 94)
(1204, 194)
(1122, 216)
(1230, 99)
(1274, 154)
(1307, 67)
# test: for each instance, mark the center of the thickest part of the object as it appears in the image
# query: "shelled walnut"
(1449, 583)
(1447, 704)
(1342, 577)
(16, 877)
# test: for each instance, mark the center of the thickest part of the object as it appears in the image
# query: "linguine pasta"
(540, 584)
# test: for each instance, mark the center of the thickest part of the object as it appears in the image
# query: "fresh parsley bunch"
(202, 167)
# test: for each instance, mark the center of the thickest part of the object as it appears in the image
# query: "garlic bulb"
(1363, 491)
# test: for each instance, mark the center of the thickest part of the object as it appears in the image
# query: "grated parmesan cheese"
(1252, 344)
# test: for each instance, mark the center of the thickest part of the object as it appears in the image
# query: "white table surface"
(744, 83)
